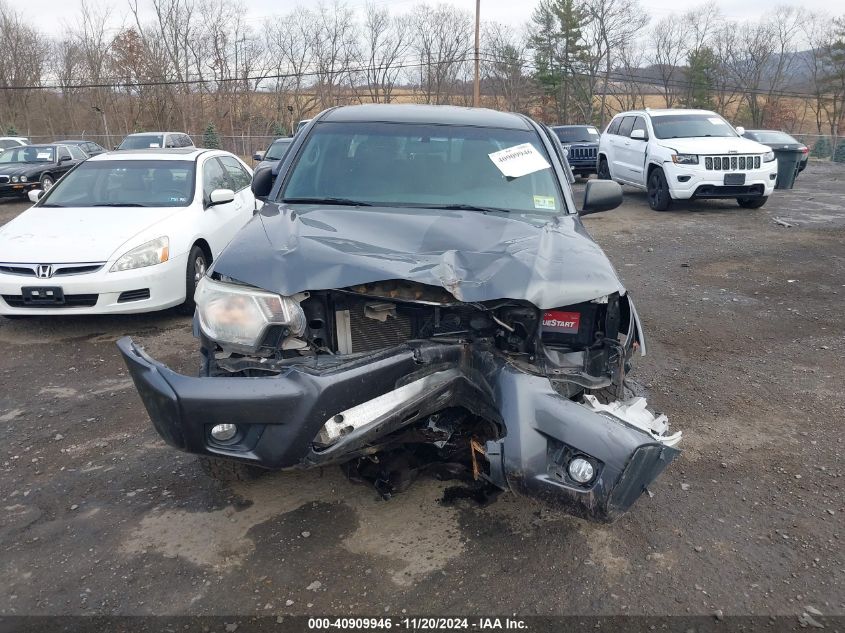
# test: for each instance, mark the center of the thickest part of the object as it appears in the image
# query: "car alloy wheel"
(658, 191)
(46, 183)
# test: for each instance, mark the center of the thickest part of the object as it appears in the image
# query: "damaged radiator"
(366, 327)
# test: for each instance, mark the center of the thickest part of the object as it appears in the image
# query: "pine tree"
(279, 129)
(839, 152)
(701, 66)
(821, 149)
(210, 138)
(11, 131)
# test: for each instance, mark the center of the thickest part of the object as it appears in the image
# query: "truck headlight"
(768, 157)
(238, 316)
(685, 159)
(154, 252)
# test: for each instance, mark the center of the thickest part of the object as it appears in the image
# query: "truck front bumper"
(280, 417)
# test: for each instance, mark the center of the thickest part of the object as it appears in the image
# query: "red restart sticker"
(563, 322)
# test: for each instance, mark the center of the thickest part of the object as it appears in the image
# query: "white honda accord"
(130, 231)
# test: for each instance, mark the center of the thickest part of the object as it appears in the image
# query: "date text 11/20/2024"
(417, 624)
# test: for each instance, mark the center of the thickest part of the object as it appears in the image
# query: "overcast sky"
(52, 14)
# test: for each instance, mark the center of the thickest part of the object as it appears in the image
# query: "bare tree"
(442, 43)
(670, 37)
(385, 41)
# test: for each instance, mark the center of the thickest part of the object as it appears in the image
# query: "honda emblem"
(44, 271)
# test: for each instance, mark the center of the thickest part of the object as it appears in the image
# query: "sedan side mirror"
(34, 195)
(258, 157)
(601, 195)
(639, 135)
(262, 182)
(64, 159)
(740, 130)
(220, 196)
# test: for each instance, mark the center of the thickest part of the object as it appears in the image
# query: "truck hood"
(714, 145)
(475, 256)
(69, 235)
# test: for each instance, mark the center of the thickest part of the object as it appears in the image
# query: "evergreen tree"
(821, 149)
(279, 129)
(559, 51)
(839, 152)
(210, 138)
(701, 66)
(11, 131)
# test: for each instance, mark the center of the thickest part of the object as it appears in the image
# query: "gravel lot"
(746, 345)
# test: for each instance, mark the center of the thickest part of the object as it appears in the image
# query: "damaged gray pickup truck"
(418, 295)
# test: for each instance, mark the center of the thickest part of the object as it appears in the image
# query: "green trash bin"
(788, 163)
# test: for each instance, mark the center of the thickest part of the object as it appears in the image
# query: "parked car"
(418, 294)
(301, 125)
(12, 141)
(156, 140)
(29, 167)
(775, 139)
(582, 145)
(274, 153)
(124, 232)
(89, 147)
(686, 154)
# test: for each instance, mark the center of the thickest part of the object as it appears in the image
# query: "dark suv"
(582, 144)
(418, 296)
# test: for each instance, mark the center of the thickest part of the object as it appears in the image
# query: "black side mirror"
(262, 182)
(64, 159)
(601, 195)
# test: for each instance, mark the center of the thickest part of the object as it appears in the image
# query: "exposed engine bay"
(583, 350)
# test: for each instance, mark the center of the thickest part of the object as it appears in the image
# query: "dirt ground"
(744, 318)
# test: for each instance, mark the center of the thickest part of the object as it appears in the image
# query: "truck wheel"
(659, 198)
(227, 470)
(603, 171)
(752, 203)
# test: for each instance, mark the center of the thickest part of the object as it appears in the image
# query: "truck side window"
(613, 128)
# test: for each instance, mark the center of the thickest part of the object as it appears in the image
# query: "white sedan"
(124, 232)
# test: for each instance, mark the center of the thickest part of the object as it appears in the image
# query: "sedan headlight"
(23, 178)
(238, 316)
(768, 157)
(154, 252)
(685, 159)
(14, 178)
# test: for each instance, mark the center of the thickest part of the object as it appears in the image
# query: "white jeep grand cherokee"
(683, 154)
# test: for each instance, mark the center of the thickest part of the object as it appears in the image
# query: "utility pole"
(476, 88)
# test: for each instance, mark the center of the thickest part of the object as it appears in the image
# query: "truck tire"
(227, 470)
(603, 171)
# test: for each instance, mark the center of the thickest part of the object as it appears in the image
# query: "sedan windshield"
(125, 183)
(28, 154)
(418, 165)
(577, 134)
(142, 141)
(278, 149)
(691, 126)
(772, 137)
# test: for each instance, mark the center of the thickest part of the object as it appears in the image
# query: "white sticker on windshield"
(519, 160)
(154, 145)
(44, 156)
(544, 202)
(716, 120)
(593, 131)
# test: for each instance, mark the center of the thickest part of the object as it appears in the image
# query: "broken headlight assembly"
(237, 317)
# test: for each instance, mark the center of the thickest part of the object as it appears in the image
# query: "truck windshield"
(410, 165)
(691, 126)
(577, 134)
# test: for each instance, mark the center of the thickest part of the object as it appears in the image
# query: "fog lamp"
(224, 432)
(581, 470)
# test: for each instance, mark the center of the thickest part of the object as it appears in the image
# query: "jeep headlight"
(154, 252)
(768, 157)
(238, 316)
(685, 159)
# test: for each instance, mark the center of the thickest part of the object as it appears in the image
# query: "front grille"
(4, 180)
(59, 270)
(728, 191)
(370, 334)
(134, 295)
(731, 163)
(71, 301)
(582, 153)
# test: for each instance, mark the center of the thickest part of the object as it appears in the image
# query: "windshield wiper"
(346, 202)
(463, 207)
(119, 204)
(53, 206)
